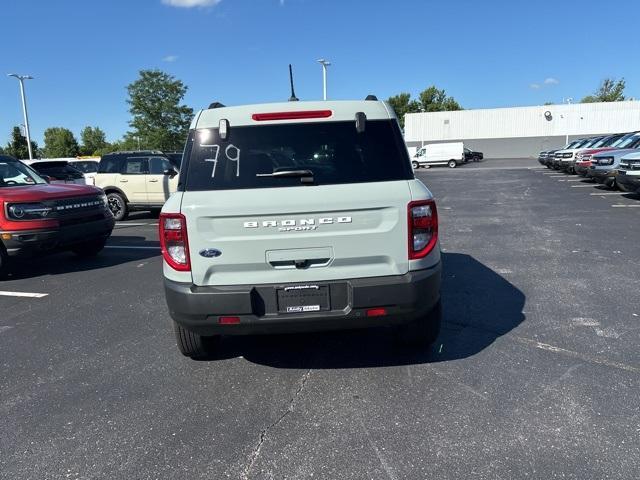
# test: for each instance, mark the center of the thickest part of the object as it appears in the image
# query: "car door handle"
(154, 180)
(123, 180)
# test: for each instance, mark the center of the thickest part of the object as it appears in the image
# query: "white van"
(450, 154)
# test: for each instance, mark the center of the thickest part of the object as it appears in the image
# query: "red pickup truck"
(36, 217)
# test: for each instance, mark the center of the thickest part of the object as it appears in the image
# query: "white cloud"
(170, 58)
(191, 3)
(535, 86)
(551, 81)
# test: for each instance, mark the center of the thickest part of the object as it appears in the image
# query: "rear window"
(86, 167)
(59, 172)
(175, 158)
(334, 152)
(110, 164)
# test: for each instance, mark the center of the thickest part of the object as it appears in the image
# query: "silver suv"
(299, 216)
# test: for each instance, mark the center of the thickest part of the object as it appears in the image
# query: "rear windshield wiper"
(306, 176)
(287, 173)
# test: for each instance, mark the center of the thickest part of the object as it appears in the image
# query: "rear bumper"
(404, 297)
(27, 242)
(631, 182)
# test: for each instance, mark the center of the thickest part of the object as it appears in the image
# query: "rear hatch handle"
(300, 258)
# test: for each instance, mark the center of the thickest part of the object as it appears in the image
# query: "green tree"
(402, 104)
(433, 99)
(60, 142)
(158, 119)
(610, 90)
(17, 146)
(93, 140)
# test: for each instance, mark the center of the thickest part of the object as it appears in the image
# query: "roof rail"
(128, 152)
(216, 105)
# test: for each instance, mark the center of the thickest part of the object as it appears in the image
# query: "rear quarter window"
(111, 164)
(333, 151)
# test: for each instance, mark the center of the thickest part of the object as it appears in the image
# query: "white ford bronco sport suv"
(299, 216)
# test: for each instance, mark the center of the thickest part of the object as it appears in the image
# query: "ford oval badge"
(210, 253)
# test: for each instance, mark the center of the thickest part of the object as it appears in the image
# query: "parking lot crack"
(253, 457)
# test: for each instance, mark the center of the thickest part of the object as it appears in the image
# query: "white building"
(521, 131)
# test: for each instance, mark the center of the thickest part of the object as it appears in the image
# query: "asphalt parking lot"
(536, 373)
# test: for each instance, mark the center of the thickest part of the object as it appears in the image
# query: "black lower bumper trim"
(404, 298)
(24, 243)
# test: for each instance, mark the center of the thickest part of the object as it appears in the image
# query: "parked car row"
(612, 160)
(73, 204)
(135, 180)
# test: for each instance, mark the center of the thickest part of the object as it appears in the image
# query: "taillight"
(174, 242)
(422, 227)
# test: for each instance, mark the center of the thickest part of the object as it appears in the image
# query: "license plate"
(303, 299)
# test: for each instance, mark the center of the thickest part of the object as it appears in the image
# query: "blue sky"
(498, 53)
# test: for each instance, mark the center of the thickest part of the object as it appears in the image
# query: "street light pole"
(21, 79)
(324, 64)
(568, 100)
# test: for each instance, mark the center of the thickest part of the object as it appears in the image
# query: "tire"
(89, 249)
(423, 331)
(623, 188)
(452, 164)
(193, 345)
(415, 165)
(118, 206)
(4, 260)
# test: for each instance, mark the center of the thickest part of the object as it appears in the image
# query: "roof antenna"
(293, 97)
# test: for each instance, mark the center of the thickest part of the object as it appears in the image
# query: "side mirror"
(46, 178)
(171, 172)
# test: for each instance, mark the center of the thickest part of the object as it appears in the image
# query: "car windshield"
(591, 142)
(175, 158)
(317, 153)
(608, 141)
(627, 141)
(14, 173)
(600, 142)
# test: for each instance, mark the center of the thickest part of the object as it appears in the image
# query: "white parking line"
(608, 193)
(590, 185)
(576, 180)
(626, 206)
(133, 247)
(23, 294)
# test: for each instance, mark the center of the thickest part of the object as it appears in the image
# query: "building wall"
(521, 131)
